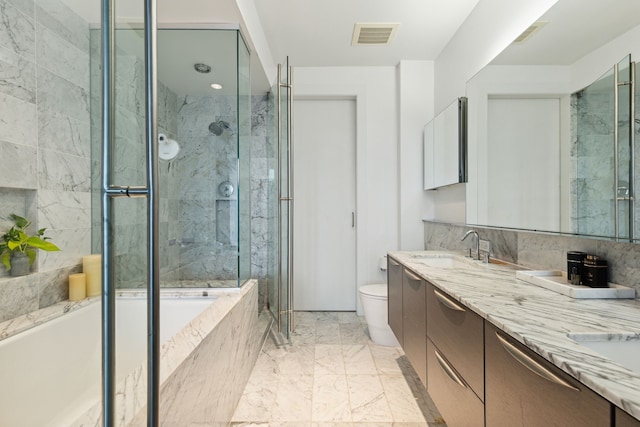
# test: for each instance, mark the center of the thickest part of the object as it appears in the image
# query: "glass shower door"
(623, 186)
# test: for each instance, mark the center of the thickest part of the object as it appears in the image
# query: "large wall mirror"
(552, 125)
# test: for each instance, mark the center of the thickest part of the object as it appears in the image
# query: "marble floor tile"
(332, 375)
(358, 359)
(330, 399)
(293, 399)
(367, 399)
(329, 360)
(403, 404)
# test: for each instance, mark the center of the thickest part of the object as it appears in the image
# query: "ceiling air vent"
(529, 32)
(373, 34)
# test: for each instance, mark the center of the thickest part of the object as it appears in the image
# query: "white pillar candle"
(77, 287)
(92, 267)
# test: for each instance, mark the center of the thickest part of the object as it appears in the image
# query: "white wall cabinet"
(445, 147)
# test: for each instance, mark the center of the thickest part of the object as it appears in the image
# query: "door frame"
(358, 94)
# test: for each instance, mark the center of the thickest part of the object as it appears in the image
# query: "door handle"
(449, 370)
(353, 220)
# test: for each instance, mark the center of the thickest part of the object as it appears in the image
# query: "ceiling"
(318, 32)
(574, 28)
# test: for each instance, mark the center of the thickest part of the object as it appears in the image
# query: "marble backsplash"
(541, 251)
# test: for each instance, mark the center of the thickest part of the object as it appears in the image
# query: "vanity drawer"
(523, 389)
(458, 333)
(455, 400)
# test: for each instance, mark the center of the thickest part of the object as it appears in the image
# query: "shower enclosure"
(605, 128)
(189, 226)
(204, 188)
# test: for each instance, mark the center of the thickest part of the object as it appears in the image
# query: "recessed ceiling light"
(216, 86)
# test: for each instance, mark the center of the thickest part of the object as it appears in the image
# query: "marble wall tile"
(622, 258)
(64, 97)
(63, 21)
(73, 243)
(63, 172)
(61, 57)
(25, 6)
(65, 134)
(17, 76)
(17, 121)
(17, 31)
(53, 286)
(541, 251)
(64, 209)
(18, 296)
(18, 166)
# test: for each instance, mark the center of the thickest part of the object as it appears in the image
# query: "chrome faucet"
(475, 233)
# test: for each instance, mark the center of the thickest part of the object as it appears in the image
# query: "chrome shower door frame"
(109, 192)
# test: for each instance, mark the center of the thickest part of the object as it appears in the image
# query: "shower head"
(218, 127)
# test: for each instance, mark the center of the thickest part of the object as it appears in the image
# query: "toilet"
(374, 302)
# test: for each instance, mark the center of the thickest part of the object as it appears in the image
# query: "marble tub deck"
(333, 376)
(541, 320)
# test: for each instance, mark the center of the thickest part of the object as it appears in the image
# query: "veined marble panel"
(65, 134)
(18, 295)
(25, 6)
(130, 84)
(63, 172)
(61, 57)
(63, 21)
(17, 121)
(17, 31)
(73, 244)
(59, 95)
(64, 209)
(53, 286)
(18, 166)
(17, 76)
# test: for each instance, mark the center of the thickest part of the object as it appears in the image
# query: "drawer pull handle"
(412, 276)
(447, 302)
(393, 263)
(532, 365)
(449, 370)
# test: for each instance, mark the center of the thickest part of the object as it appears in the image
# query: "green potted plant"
(18, 249)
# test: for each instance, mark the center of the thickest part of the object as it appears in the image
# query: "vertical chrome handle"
(353, 220)
(153, 214)
(290, 309)
(529, 363)
(279, 168)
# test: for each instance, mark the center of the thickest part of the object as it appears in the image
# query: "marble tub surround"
(540, 251)
(542, 319)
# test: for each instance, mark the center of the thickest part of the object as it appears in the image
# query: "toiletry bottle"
(595, 272)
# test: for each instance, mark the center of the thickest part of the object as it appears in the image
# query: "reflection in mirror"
(541, 143)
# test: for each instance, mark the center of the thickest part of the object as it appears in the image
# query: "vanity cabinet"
(523, 389)
(455, 359)
(394, 299)
(414, 322)
(625, 420)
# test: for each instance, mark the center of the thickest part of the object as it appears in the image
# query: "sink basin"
(446, 262)
(623, 349)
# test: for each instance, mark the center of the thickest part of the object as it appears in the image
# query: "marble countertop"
(541, 319)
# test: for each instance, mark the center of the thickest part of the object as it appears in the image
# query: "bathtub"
(51, 373)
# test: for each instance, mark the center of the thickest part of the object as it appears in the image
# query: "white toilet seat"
(376, 291)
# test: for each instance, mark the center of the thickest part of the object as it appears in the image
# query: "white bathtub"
(50, 374)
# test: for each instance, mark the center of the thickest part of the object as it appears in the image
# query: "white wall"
(375, 91)
(415, 89)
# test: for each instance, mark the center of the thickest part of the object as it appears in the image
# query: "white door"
(324, 197)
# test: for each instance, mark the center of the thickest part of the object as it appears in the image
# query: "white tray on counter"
(555, 281)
